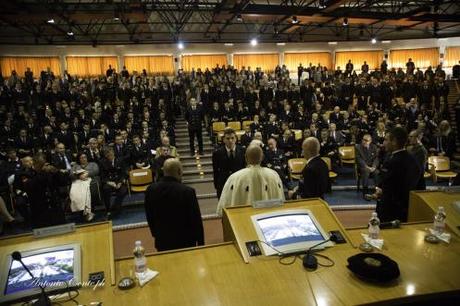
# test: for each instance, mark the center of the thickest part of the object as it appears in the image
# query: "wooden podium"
(238, 226)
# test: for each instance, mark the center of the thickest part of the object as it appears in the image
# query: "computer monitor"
(55, 268)
(288, 231)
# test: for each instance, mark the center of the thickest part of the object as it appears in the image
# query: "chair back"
(347, 152)
(296, 165)
(140, 177)
(440, 163)
(327, 160)
(235, 125)
(297, 134)
(247, 123)
(218, 126)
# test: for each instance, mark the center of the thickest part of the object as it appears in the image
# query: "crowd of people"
(59, 133)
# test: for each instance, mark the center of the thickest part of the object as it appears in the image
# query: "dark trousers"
(365, 175)
(199, 136)
(120, 194)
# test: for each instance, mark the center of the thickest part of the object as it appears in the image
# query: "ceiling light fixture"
(70, 33)
(228, 44)
(254, 42)
(345, 22)
(180, 45)
(281, 44)
(386, 41)
(294, 20)
(116, 16)
(332, 43)
(373, 40)
(50, 20)
(239, 18)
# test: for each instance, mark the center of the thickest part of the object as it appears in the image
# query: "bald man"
(253, 183)
(172, 210)
(316, 173)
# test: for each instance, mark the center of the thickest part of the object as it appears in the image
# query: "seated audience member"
(276, 160)
(80, 194)
(139, 154)
(93, 152)
(367, 161)
(172, 211)
(113, 180)
(287, 143)
(335, 135)
(328, 147)
(254, 183)
(160, 160)
(246, 137)
(443, 140)
(93, 172)
(121, 150)
(172, 151)
(401, 175)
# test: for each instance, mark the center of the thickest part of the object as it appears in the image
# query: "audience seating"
(296, 166)
(441, 165)
(235, 125)
(297, 134)
(139, 180)
(332, 174)
(246, 123)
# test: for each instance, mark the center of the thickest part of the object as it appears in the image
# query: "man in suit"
(400, 175)
(195, 116)
(367, 161)
(172, 211)
(226, 160)
(316, 173)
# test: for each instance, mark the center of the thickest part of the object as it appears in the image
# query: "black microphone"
(43, 299)
(390, 224)
(309, 261)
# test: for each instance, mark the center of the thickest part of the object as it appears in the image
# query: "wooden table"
(218, 275)
(424, 204)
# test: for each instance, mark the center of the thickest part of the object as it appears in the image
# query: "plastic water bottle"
(374, 226)
(139, 258)
(439, 223)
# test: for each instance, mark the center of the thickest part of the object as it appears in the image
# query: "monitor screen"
(56, 268)
(288, 229)
(49, 268)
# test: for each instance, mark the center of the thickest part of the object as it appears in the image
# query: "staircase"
(454, 93)
(198, 172)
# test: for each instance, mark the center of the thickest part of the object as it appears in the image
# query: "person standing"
(299, 73)
(254, 183)
(400, 175)
(172, 211)
(194, 116)
(226, 160)
(316, 173)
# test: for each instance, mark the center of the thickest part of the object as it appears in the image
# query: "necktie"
(231, 155)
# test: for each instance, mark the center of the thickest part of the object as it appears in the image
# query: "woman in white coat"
(80, 194)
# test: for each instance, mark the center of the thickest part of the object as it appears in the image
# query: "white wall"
(171, 49)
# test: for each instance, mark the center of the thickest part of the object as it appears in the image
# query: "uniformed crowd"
(53, 126)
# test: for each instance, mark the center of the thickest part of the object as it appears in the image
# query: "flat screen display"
(49, 268)
(289, 229)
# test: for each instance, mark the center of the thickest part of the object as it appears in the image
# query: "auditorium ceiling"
(233, 21)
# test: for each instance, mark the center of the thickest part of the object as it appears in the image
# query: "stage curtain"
(422, 58)
(452, 56)
(36, 64)
(292, 60)
(373, 58)
(156, 65)
(203, 61)
(267, 62)
(90, 65)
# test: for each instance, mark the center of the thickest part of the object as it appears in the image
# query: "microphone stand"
(43, 299)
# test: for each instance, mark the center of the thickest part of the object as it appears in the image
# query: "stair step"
(192, 181)
(207, 196)
(198, 171)
(193, 176)
(187, 150)
(193, 164)
(188, 158)
(186, 144)
(204, 187)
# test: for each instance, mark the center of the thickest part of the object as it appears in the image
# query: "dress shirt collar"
(311, 158)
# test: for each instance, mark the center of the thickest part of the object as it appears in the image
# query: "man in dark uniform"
(367, 160)
(299, 73)
(400, 175)
(276, 160)
(194, 116)
(113, 179)
(226, 160)
(172, 211)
